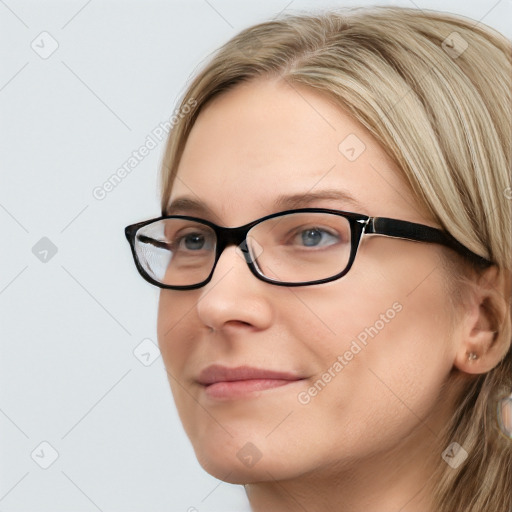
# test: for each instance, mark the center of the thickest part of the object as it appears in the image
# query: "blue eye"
(194, 242)
(317, 237)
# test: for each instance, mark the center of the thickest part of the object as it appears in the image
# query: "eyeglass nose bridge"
(233, 236)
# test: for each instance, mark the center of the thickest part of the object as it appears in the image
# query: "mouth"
(221, 382)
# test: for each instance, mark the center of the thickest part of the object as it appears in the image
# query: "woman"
(335, 263)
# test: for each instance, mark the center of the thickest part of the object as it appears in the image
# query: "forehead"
(265, 140)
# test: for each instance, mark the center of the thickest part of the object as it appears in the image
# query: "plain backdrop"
(87, 421)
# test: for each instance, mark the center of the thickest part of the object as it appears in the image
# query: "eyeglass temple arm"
(157, 243)
(420, 233)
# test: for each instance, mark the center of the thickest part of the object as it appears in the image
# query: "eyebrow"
(189, 205)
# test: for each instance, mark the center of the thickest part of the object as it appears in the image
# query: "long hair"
(434, 89)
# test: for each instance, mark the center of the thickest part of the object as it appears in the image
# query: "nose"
(234, 296)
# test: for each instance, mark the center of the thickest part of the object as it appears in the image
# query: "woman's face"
(363, 358)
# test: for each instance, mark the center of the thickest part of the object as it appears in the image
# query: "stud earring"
(472, 356)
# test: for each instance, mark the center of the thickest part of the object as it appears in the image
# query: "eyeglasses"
(299, 247)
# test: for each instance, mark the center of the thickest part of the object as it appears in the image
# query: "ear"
(479, 345)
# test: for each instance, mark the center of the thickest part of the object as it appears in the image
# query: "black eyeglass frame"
(359, 225)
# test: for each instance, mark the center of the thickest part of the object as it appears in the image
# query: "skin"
(367, 440)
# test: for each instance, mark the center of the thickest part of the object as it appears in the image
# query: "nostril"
(239, 323)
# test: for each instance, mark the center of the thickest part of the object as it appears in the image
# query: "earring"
(472, 356)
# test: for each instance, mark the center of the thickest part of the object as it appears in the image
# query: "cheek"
(398, 306)
(176, 331)
(170, 314)
(394, 342)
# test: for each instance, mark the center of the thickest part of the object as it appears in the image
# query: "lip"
(221, 382)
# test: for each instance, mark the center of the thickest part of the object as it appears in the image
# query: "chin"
(233, 471)
(243, 463)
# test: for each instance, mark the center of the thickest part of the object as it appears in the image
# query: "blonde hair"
(435, 90)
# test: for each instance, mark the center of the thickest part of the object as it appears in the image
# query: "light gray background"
(69, 325)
